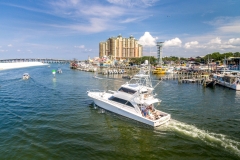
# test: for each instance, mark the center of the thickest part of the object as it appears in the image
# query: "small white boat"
(134, 99)
(59, 70)
(26, 76)
(170, 70)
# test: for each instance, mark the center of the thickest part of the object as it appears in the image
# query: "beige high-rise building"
(120, 48)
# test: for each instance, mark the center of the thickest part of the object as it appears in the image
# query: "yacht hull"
(125, 111)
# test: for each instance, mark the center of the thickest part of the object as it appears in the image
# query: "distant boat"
(159, 70)
(26, 76)
(59, 71)
(170, 70)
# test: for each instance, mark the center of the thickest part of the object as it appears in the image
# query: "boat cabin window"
(143, 92)
(122, 101)
(126, 90)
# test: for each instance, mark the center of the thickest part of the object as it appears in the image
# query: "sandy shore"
(20, 65)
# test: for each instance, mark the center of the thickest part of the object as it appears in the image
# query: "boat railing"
(96, 90)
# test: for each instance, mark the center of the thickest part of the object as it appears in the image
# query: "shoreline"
(14, 65)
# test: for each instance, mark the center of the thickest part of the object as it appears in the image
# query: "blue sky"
(68, 29)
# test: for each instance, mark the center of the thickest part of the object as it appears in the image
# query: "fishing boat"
(26, 76)
(159, 70)
(228, 80)
(134, 99)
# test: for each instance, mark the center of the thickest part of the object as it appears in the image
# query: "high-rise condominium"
(120, 48)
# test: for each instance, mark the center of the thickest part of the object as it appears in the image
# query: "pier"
(202, 78)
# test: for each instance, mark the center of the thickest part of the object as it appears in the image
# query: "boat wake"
(97, 77)
(212, 139)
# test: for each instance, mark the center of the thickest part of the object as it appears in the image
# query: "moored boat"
(159, 70)
(228, 80)
(134, 99)
(170, 70)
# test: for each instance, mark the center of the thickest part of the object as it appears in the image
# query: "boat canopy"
(149, 102)
(146, 103)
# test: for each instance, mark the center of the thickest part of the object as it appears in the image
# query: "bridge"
(43, 60)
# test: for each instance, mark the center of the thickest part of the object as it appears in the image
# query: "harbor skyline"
(69, 29)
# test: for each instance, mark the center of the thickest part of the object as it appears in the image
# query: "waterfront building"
(233, 63)
(120, 48)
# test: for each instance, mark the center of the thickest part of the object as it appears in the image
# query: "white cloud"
(18, 50)
(96, 25)
(226, 24)
(102, 11)
(81, 46)
(227, 46)
(10, 45)
(147, 40)
(74, 1)
(128, 20)
(3, 50)
(131, 3)
(88, 50)
(92, 17)
(191, 44)
(231, 28)
(176, 42)
(234, 41)
(215, 41)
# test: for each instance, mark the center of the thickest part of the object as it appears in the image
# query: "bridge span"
(43, 60)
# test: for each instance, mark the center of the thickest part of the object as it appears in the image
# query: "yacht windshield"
(126, 90)
(122, 101)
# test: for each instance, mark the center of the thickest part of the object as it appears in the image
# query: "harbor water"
(53, 118)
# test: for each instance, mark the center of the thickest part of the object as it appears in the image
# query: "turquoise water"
(47, 118)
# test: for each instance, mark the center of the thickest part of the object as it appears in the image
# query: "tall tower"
(159, 52)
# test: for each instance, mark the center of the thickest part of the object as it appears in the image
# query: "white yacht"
(26, 76)
(134, 99)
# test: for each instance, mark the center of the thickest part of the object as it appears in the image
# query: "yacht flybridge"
(134, 99)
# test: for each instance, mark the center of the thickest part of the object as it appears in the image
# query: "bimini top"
(137, 87)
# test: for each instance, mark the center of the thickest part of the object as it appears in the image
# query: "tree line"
(212, 57)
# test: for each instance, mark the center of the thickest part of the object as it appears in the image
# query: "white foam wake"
(212, 139)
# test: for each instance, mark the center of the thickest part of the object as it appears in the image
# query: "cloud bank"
(176, 42)
(147, 40)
